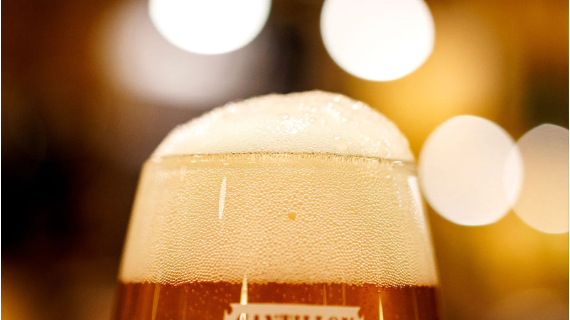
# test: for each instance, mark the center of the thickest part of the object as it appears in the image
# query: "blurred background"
(89, 88)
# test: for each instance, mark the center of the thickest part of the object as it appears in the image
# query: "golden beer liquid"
(280, 229)
(207, 300)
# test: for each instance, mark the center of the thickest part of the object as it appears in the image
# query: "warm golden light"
(17, 302)
(543, 203)
(378, 40)
(464, 173)
(537, 303)
(464, 75)
(143, 63)
(209, 27)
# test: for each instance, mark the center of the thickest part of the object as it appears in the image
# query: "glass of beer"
(282, 207)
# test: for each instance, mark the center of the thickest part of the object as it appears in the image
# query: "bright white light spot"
(543, 202)
(209, 26)
(378, 40)
(222, 198)
(142, 62)
(467, 171)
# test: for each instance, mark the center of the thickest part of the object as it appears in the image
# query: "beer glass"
(285, 207)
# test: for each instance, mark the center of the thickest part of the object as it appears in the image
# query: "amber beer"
(272, 235)
(213, 300)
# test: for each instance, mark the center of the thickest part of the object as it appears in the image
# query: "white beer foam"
(256, 205)
(306, 122)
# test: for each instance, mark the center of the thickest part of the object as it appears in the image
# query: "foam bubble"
(283, 218)
(298, 188)
(307, 122)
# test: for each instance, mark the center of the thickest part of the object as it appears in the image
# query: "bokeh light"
(83, 109)
(543, 201)
(16, 297)
(466, 74)
(467, 171)
(377, 40)
(142, 62)
(532, 304)
(209, 26)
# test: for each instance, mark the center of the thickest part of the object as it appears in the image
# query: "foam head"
(296, 188)
(307, 122)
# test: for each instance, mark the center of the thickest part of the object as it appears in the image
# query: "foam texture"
(307, 122)
(301, 188)
(286, 218)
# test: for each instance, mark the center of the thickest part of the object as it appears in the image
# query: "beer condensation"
(279, 234)
(288, 228)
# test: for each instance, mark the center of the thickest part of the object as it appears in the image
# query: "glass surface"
(277, 236)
